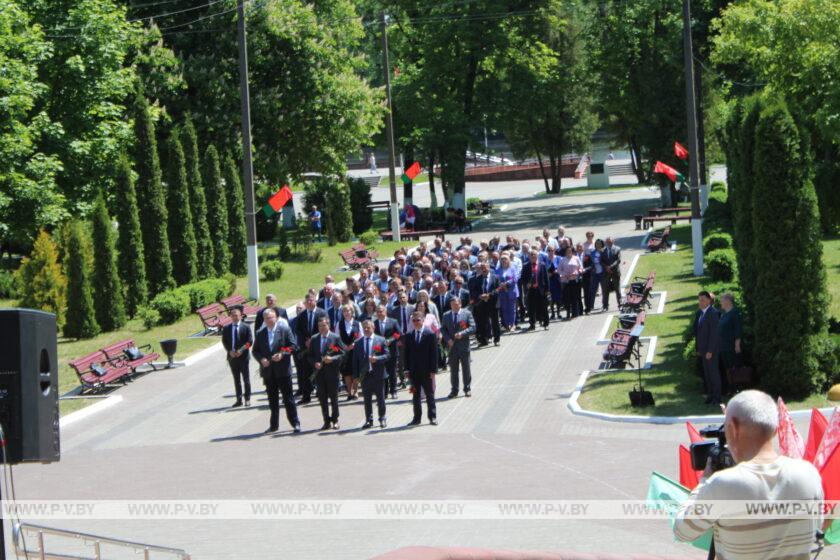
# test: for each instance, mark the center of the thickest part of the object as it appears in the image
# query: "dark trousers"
(400, 361)
(571, 295)
(241, 376)
(391, 367)
(487, 321)
(459, 359)
(537, 307)
(372, 385)
(611, 282)
(304, 370)
(274, 387)
(588, 293)
(327, 392)
(427, 383)
(711, 374)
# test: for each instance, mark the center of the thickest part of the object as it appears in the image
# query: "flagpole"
(389, 129)
(693, 152)
(247, 165)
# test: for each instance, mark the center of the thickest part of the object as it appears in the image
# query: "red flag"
(672, 173)
(790, 442)
(412, 172)
(693, 435)
(815, 434)
(830, 440)
(277, 201)
(830, 474)
(688, 476)
(680, 151)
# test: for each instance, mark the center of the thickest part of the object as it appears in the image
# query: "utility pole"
(389, 129)
(693, 151)
(247, 166)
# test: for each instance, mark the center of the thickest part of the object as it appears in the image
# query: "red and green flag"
(412, 172)
(680, 151)
(672, 173)
(277, 201)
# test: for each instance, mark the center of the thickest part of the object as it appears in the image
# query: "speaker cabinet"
(29, 385)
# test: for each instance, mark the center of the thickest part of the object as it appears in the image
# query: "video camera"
(717, 451)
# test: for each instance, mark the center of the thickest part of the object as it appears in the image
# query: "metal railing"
(96, 541)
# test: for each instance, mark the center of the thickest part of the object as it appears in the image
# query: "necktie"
(233, 330)
(487, 284)
(367, 351)
(323, 344)
(417, 337)
(311, 316)
(270, 338)
(403, 317)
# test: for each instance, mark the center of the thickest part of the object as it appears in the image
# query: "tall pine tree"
(181, 233)
(107, 287)
(198, 201)
(236, 218)
(151, 200)
(41, 281)
(130, 240)
(81, 315)
(217, 216)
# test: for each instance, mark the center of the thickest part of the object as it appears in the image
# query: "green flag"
(832, 534)
(665, 494)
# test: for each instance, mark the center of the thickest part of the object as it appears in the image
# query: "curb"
(105, 403)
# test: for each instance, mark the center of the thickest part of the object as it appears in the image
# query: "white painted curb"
(105, 403)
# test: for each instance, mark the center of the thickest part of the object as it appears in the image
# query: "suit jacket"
(314, 354)
(302, 330)
(610, 257)
(707, 332)
(451, 327)
(387, 329)
(479, 286)
(396, 313)
(421, 358)
(441, 301)
(542, 277)
(335, 316)
(360, 359)
(283, 338)
(464, 294)
(243, 336)
(322, 303)
(258, 320)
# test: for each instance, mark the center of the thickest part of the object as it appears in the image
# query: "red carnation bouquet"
(464, 324)
(377, 348)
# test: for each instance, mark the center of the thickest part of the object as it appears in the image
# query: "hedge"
(206, 292)
(172, 305)
(369, 238)
(8, 287)
(717, 241)
(272, 270)
(721, 265)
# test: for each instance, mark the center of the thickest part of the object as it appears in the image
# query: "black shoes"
(452, 395)
(495, 343)
(433, 422)
(394, 395)
(247, 403)
(335, 426)
(326, 426)
(367, 425)
(237, 404)
(383, 423)
(415, 422)
(468, 393)
(297, 428)
(270, 430)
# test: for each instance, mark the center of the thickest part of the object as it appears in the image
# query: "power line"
(145, 18)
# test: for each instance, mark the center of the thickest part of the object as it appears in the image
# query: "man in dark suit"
(306, 328)
(270, 303)
(389, 329)
(325, 302)
(325, 354)
(237, 340)
(401, 313)
(535, 281)
(370, 354)
(707, 342)
(460, 292)
(421, 361)
(484, 297)
(273, 347)
(440, 297)
(457, 326)
(611, 281)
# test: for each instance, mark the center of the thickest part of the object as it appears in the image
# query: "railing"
(96, 541)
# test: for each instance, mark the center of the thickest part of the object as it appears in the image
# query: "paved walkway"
(174, 436)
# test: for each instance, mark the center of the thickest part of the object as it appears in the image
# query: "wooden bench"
(623, 334)
(383, 204)
(618, 354)
(352, 260)
(656, 212)
(659, 240)
(413, 234)
(650, 221)
(362, 251)
(238, 299)
(116, 355)
(638, 219)
(213, 317)
(634, 300)
(90, 381)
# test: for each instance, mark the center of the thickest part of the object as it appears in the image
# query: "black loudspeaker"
(641, 398)
(29, 385)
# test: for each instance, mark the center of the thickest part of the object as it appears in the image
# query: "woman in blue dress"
(554, 282)
(507, 296)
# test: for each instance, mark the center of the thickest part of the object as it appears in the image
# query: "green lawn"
(677, 391)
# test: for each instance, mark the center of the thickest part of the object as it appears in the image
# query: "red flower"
(287, 349)
(334, 348)
(357, 335)
(464, 324)
(377, 348)
(396, 336)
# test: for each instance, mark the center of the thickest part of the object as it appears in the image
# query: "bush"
(719, 288)
(230, 278)
(827, 352)
(315, 255)
(171, 305)
(339, 216)
(717, 241)
(283, 249)
(369, 238)
(359, 202)
(272, 270)
(717, 186)
(206, 292)
(720, 265)
(695, 366)
(150, 317)
(717, 216)
(8, 289)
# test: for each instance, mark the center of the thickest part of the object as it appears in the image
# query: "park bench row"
(622, 342)
(116, 362)
(656, 215)
(358, 256)
(216, 315)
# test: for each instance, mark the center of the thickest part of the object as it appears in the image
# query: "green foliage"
(302, 235)
(369, 238)
(272, 270)
(315, 194)
(717, 241)
(151, 201)
(717, 216)
(81, 315)
(720, 288)
(230, 278)
(108, 297)
(130, 240)
(283, 249)
(827, 352)
(717, 186)
(790, 312)
(8, 286)
(339, 214)
(181, 232)
(360, 199)
(171, 305)
(41, 283)
(206, 292)
(198, 201)
(148, 316)
(236, 218)
(826, 181)
(721, 265)
(217, 218)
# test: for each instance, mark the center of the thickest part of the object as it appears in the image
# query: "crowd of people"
(397, 324)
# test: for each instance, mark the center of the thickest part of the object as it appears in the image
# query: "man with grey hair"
(760, 475)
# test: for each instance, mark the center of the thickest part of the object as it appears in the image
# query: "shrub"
(827, 352)
(339, 216)
(359, 202)
(315, 255)
(217, 204)
(302, 235)
(171, 305)
(41, 283)
(720, 265)
(8, 289)
(695, 366)
(717, 216)
(230, 278)
(272, 270)
(150, 317)
(206, 292)
(720, 288)
(717, 186)
(717, 241)
(283, 249)
(369, 238)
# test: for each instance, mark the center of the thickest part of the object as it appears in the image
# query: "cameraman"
(760, 474)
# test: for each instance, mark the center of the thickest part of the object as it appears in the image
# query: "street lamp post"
(693, 152)
(389, 129)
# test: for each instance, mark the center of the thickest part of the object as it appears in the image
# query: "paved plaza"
(174, 436)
